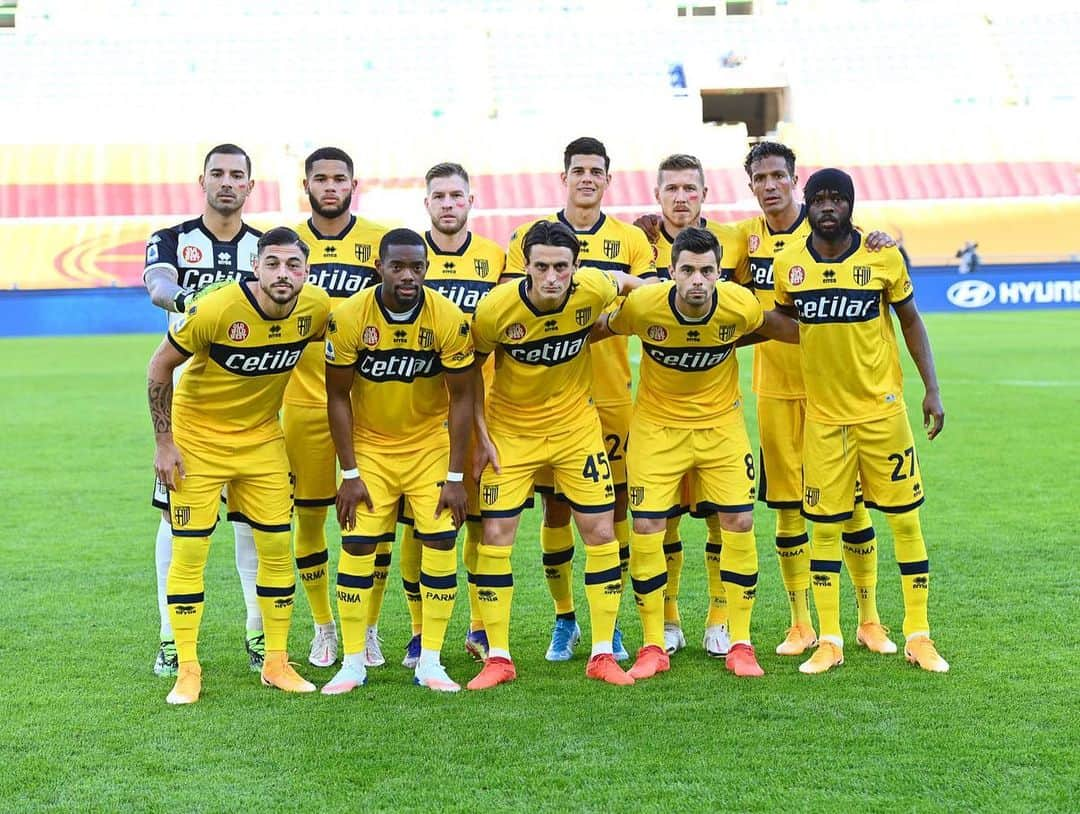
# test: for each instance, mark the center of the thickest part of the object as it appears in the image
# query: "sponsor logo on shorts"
(516, 331)
(753, 243)
(303, 325)
(657, 333)
(796, 274)
(370, 336)
(611, 248)
(181, 515)
(191, 254)
(489, 494)
(583, 316)
(636, 494)
(861, 274)
(238, 331)
(811, 496)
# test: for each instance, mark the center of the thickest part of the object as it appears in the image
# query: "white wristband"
(454, 477)
(350, 474)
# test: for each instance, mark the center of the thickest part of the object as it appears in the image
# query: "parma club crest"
(489, 494)
(427, 338)
(481, 268)
(811, 496)
(583, 316)
(726, 332)
(611, 248)
(362, 252)
(181, 515)
(636, 495)
(861, 274)
(303, 325)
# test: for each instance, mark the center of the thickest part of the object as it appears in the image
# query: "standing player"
(541, 415)
(781, 408)
(610, 245)
(181, 261)
(463, 267)
(343, 253)
(688, 420)
(856, 420)
(681, 190)
(399, 385)
(243, 341)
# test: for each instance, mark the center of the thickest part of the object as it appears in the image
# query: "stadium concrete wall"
(1015, 287)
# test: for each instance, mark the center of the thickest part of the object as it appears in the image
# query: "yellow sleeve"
(195, 330)
(484, 340)
(899, 289)
(341, 338)
(734, 261)
(741, 274)
(749, 309)
(456, 352)
(515, 256)
(780, 274)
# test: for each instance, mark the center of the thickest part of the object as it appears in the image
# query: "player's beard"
(330, 212)
(280, 297)
(832, 231)
(228, 207)
(449, 231)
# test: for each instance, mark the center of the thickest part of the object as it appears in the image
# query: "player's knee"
(358, 549)
(905, 525)
(650, 525)
(499, 531)
(736, 521)
(597, 531)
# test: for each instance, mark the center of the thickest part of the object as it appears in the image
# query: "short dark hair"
(680, 161)
(698, 241)
(400, 237)
(227, 149)
(764, 149)
(550, 233)
(446, 169)
(282, 236)
(328, 154)
(585, 146)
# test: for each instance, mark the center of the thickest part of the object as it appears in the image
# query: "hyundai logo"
(970, 294)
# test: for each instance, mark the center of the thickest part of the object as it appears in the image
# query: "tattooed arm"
(159, 391)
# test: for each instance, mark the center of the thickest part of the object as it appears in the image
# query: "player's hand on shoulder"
(650, 225)
(876, 241)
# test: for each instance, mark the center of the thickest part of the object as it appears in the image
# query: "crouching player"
(222, 429)
(688, 420)
(399, 387)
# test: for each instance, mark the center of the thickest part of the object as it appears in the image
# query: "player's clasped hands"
(351, 493)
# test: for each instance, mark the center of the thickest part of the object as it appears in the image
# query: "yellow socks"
(378, 587)
(649, 575)
(495, 589)
(354, 581)
(861, 559)
(557, 544)
(825, 574)
(603, 589)
(474, 536)
(184, 589)
(312, 560)
(275, 585)
(739, 573)
(410, 577)
(673, 559)
(718, 612)
(914, 570)
(793, 552)
(622, 534)
(438, 581)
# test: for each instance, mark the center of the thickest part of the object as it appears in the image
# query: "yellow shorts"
(714, 464)
(615, 423)
(392, 477)
(259, 490)
(880, 455)
(577, 460)
(472, 493)
(311, 454)
(780, 433)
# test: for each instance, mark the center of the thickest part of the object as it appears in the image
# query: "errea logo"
(971, 294)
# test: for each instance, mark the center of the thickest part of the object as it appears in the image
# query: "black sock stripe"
(792, 542)
(441, 583)
(746, 580)
(269, 528)
(647, 586)
(410, 587)
(558, 557)
(470, 577)
(382, 560)
(713, 548)
(355, 580)
(918, 567)
(863, 536)
(831, 566)
(600, 577)
(624, 552)
(185, 599)
(272, 590)
(311, 560)
(494, 580)
(673, 548)
(437, 537)
(368, 539)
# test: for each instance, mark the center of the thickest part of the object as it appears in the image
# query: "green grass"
(85, 726)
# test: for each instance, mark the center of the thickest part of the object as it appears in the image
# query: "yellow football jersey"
(231, 391)
(732, 258)
(689, 370)
(342, 265)
(467, 276)
(777, 371)
(543, 378)
(610, 245)
(399, 396)
(850, 359)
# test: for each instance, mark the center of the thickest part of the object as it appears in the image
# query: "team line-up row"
(455, 379)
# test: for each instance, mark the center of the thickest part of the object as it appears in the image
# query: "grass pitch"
(86, 727)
